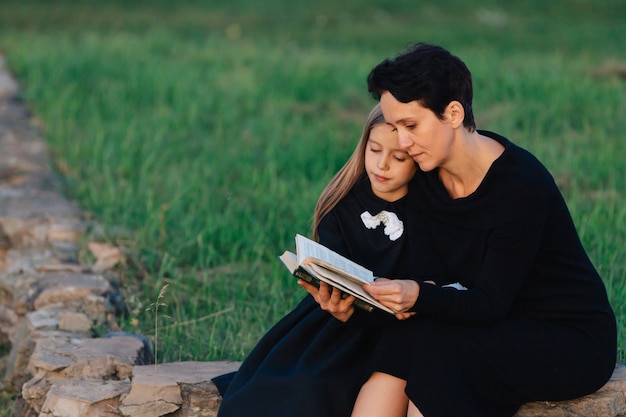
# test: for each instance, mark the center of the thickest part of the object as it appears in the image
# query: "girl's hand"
(330, 300)
(397, 294)
(404, 316)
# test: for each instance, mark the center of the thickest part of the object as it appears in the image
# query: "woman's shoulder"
(515, 186)
(518, 172)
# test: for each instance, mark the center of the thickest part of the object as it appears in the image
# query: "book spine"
(305, 276)
(362, 304)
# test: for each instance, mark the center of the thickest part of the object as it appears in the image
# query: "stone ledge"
(184, 389)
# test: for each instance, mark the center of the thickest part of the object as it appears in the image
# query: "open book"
(314, 263)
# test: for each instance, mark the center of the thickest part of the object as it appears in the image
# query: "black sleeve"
(511, 253)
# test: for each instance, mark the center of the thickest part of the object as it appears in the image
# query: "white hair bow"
(393, 225)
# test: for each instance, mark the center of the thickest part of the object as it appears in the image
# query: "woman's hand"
(397, 294)
(330, 300)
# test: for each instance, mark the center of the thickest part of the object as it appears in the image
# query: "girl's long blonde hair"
(348, 175)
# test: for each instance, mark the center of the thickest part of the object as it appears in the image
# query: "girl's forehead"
(384, 135)
(388, 138)
(382, 128)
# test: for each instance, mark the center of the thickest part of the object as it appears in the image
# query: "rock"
(75, 322)
(72, 357)
(65, 287)
(199, 400)
(159, 389)
(61, 359)
(153, 408)
(77, 398)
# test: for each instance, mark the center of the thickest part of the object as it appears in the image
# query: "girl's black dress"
(310, 364)
(535, 323)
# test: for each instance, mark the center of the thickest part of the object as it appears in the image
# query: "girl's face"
(388, 167)
(426, 138)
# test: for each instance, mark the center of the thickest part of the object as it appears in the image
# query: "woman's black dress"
(535, 323)
(309, 363)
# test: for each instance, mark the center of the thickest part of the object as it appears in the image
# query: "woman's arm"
(509, 257)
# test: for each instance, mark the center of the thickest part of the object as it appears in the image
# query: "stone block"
(72, 357)
(80, 398)
(159, 389)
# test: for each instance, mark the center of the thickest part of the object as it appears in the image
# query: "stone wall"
(51, 306)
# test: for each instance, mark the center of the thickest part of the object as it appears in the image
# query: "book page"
(290, 261)
(309, 248)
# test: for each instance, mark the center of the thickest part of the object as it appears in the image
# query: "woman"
(310, 363)
(535, 322)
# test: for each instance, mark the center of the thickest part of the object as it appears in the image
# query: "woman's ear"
(455, 114)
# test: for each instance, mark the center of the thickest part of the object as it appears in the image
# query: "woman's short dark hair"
(428, 74)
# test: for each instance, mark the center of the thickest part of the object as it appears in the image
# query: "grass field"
(199, 135)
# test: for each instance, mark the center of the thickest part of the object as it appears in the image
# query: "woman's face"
(388, 167)
(426, 138)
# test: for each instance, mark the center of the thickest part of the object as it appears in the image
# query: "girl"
(313, 362)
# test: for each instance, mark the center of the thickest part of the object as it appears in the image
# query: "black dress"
(309, 363)
(535, 323)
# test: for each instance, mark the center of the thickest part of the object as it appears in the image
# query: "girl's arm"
(327, 297)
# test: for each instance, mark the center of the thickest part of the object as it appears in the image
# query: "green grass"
(198, 135)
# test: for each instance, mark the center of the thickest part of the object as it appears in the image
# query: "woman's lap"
(523, 359)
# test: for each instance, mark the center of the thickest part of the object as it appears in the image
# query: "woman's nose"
(404, 141)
